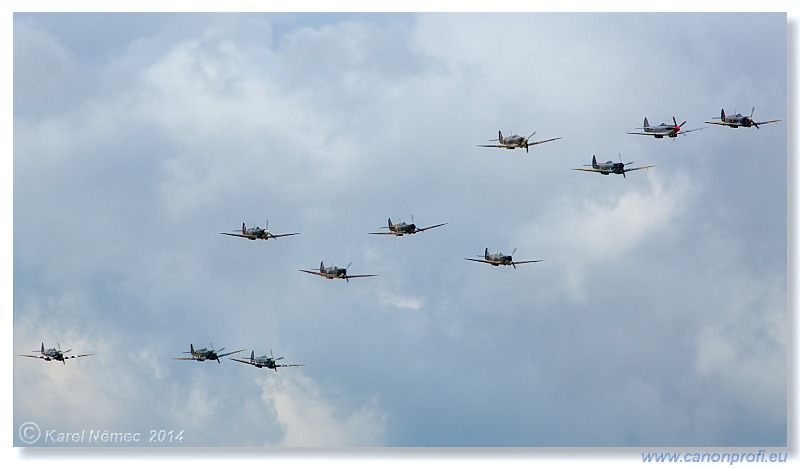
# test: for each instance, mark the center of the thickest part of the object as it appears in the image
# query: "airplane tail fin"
(389, 225)
(42, 348)
(594, 161)
(486, 253)
(500, 136)
(244, 228)
(191, 349)
(321, 266)
(722, 115)
(646, 124)
(252, 356)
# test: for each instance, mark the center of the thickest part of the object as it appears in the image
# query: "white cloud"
(311, 418)
(589, 232)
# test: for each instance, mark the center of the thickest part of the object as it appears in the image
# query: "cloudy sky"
(658, 316)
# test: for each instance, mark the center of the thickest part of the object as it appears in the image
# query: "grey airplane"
(500, 259)
(55, 354)
(664, 130)
(256, 232)
(203, 354)
(263, 361)
(335, 272)
(516, 141)
(403, 228)
(738, 120)
(610, 167)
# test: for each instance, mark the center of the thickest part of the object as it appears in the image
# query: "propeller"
(526, 141)
(274, 360)
(623, 164)
(346, 279)
(511, 258)
(752, 111)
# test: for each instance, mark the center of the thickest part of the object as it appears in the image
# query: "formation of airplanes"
(401, 228)
(55, 354)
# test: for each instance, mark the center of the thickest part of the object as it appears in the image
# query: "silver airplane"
(664, 130)
(739, 120)
(610, 167)
(263, 361)
(335, 272)
(516, 141)
(402, 228)
(256, 232)
(203, 354)
(56, 354)
(500, 259)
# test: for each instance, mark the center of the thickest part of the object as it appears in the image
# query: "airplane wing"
(33, 356)
(591, 170)
(530, 144)
(184, 358)
(246, 362)
(640, 167)
(724, 123)
(647, 133)
(281, 235)
(315, 273)
(429, 227)
(526, 262)
(237, 235)
(479, 260)
(79, 356)
(690, 130)
(219, 355)
(384, 233)
(288, 364)
(361, 275)
(767, 122)
(496, 146)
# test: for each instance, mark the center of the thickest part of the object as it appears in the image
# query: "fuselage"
(738, 120)
(204, 354)
(498, 259)
(609, 167)
(263, 361)
(53, 354)
(513, 141)
(333, 272)
(403, 228)
(663, 130)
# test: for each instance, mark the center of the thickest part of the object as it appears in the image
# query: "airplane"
(262, 361)
(664, 130)
(516, 141)
(56, 354)
(402, 228)
(610, 167)
(334, 272)
(203, 354)
(256, 232)
(739, 120)
(500, 259)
